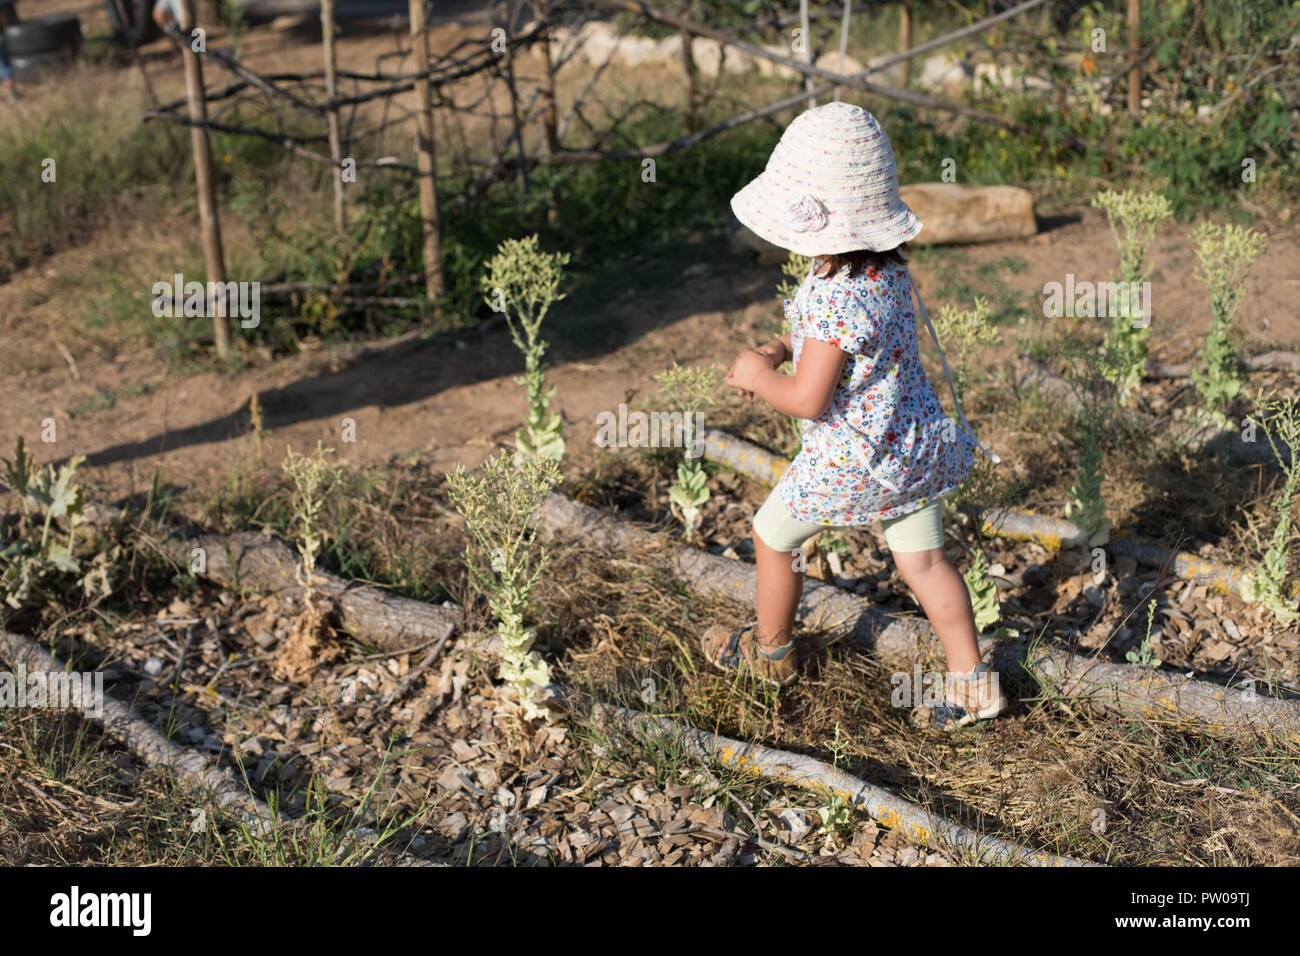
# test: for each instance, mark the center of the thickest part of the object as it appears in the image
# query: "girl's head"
(830, 187)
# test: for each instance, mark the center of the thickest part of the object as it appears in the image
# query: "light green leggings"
(920, 530)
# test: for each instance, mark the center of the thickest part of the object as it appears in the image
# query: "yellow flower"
(229, 158)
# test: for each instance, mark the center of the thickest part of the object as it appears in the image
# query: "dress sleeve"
(840, 318)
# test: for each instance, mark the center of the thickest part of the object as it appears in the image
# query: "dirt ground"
(457, 403)
(136, 416)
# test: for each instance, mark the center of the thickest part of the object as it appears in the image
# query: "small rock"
(462, 750)
(454, 827)
(796, 824)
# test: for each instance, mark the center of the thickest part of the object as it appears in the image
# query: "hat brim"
(760, 206)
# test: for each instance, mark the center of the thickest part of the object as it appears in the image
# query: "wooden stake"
(209, 224)
(844, 44)
(332, 91)
(550, 121)
(807, 48)
(1134, 48)
(433, 285)
(905, 40)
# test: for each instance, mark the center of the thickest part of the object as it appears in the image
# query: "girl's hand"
(774, 351)
(746, 369)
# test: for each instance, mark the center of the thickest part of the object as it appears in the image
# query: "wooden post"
(692, 80)
(550, 122)
(905, 40)
(209, 224)
(844, 44)
(1134, 49)
(425, 158)
(515, 121)
(332, 91)
(807, 47)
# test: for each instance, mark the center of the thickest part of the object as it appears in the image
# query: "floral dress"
(884, 446)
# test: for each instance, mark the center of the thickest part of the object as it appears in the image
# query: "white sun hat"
(831, 185)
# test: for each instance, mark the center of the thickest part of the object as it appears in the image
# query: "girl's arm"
(806, 394)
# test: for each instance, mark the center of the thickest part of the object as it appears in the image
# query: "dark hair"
(860, 259)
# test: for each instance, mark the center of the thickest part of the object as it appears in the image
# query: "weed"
(1266, 584)
(1133, 218)
(1226, 254)
(524, 280)
(687, 390)
(500, 504)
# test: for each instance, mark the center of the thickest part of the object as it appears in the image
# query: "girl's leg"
(944, 597)
(916, 542)
(776, 536)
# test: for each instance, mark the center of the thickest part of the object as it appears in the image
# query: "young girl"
(876, 443)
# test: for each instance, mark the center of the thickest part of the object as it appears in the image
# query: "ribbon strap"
(947, 374)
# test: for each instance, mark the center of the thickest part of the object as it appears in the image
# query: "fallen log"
(189, 767)
(263, 562)
(1126, 689)
(1273, 361)
(808, 773)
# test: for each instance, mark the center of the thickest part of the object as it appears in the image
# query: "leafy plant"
(313, 475)
(30, 563)
(1226, 254)
(687, 390)
(524, 280)
(836, 815)
(500, 503)
(1091, 375)
(1145, 655)
(1267, 583)
(963, 331)
(1133, 218)
(984, 596)
(795, 269)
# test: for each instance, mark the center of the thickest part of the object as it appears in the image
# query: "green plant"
(313, 476)
(1133, 218)
(1145, 655)
(1266, 584)
(500, 503)
(30, 564)
(963, 331)
(1091, 375)
(1226, 254)
(687, 390)
(795, 269)
(836, 815)
(523, 279)
(984, 596)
